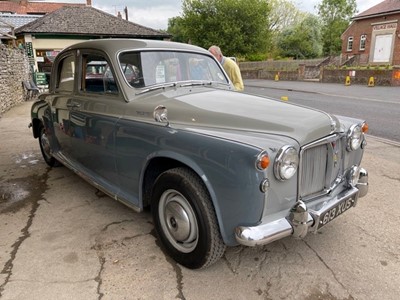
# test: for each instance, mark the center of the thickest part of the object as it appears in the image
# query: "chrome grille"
(313, 170)
(320, 167)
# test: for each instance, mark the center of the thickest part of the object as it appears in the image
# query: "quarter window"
(67, 74)
(363, 40)
(350, 43)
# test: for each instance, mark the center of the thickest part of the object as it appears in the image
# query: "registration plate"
(335, 211)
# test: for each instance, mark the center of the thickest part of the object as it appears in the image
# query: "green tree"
(284, 16)
(335, 16)
(239, 27)
(176, 29)
(302, 40)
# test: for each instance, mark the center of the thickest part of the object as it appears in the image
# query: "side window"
(66, 74)
(97, 76)
(350, 43)
(363, 40)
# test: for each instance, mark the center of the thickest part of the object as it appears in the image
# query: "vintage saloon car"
(163, 128)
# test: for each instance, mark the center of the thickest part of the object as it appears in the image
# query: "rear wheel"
(46, 149)
(185, 219)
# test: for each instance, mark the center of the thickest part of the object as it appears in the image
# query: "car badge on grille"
(335, 154)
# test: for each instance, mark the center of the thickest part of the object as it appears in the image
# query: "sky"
(155, 13)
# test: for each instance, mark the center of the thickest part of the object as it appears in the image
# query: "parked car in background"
(217, 168)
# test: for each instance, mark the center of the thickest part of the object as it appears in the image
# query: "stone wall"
(285, 69)
(390, 77)
(381, 77)
(14, 68)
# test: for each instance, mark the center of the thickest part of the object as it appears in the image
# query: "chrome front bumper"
(302, 220)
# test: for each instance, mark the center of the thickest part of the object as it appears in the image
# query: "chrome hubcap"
(178, 221)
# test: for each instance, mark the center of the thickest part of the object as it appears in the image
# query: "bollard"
(347, 80)
(285, 98)
(371, 81)
(277, 77)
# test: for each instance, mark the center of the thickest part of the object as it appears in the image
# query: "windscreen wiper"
(156, 87)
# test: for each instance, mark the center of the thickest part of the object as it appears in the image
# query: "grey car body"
(217, 167)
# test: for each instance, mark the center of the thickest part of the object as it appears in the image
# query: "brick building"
(373, 37)
(25, 7)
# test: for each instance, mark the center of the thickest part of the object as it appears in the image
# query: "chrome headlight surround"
(354, 137)
(286, 163)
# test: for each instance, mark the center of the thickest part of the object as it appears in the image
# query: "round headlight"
(354, 137)
(286, 163)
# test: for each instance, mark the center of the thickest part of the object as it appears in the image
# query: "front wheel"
(45, 148)
(185, 219)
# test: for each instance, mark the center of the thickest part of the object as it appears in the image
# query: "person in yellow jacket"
(230, 67)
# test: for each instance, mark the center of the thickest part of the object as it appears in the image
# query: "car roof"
(116, 45)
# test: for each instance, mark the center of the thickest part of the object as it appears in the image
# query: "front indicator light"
(286, 163)
(262, 161)
(364, 127)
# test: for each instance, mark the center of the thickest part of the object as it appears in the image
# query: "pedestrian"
(230, 67)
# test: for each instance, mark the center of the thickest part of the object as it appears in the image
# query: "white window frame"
(363, 42)
(350, 41)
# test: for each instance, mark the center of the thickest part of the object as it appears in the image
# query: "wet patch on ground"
(24, 160)
(16, 193)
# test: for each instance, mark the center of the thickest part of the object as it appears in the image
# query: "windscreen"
(147, 68)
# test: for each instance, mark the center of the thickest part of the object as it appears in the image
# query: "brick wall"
(14, 69)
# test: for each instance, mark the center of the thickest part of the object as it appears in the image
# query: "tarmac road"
(379, 105)
(61, 239)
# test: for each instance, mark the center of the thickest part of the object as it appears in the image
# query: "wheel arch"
(38, 113)
(166, 161)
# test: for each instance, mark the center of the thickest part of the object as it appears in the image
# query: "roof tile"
(87, 21)
(384, 7)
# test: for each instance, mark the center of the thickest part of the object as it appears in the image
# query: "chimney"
(126, 13)
(88, 2)
(119, 15)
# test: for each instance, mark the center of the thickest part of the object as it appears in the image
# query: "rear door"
(64, 87)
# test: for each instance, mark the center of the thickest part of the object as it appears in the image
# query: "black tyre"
(46, 149)
(185, 220)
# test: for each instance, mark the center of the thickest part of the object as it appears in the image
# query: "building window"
(350, 43)
(363, 40)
